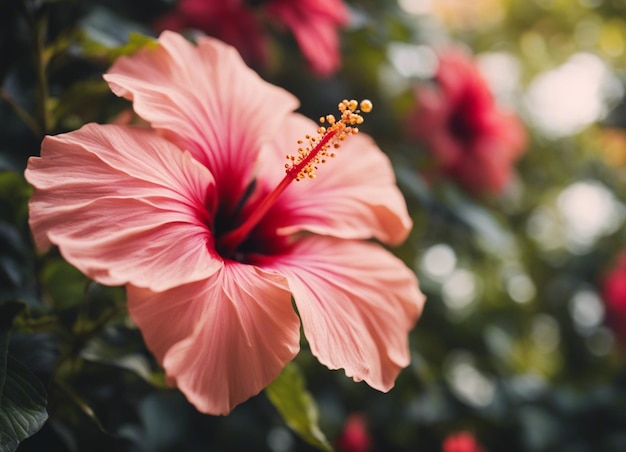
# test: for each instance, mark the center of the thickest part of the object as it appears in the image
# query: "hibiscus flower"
(473, 140)
(198, 217)
(614, 295)
(314, 24)
(355, 436)
(461, 442)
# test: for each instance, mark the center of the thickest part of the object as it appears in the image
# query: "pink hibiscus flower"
(196, 215)
(614, 295)
(472, 140)
(314, 23)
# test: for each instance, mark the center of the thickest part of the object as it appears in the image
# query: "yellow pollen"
(304, 164)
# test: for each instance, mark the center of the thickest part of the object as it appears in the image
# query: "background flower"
(314, 24)
(614, 295)
(355, 437)
(472, 140)
(461, 442)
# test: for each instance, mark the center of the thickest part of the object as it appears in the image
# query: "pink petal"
(118, 201)
(354, 195)
(314, 24)
(206, 100)
(357, 303)
(223, 340)
(319, 42)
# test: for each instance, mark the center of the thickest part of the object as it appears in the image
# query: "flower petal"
(117, 200)
(357, 303)
(223, 340)
(353, 196)
(207, 101)
(314, 24)
(234, 22)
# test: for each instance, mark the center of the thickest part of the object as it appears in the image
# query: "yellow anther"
(305, 163)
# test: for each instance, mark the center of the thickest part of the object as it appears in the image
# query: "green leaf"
(296, 406)
(91, 47)
(136, 41)
(22, 396)
(22, 406)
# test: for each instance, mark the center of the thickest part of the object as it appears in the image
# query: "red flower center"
(314, 152)
(464, 123)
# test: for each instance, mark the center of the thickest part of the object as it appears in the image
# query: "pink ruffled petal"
(205, 99)
(357, 303)
(354, 195)
(223, 340)
(166, 318)
(118, 201)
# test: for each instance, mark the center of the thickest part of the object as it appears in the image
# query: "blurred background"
(504, 120)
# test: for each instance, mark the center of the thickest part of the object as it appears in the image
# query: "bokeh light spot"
(459, 290)
(521, 288)
(565, 100)
(546, 333)
(467, 382)
(438, 262)
(586, 309)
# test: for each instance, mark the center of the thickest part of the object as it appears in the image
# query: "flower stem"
(22, 114)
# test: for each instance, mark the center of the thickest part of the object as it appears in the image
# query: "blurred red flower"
(230, 20)
(461, 442)
(314, 23)
(614, 295)
(473, 140)
(355, 436)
